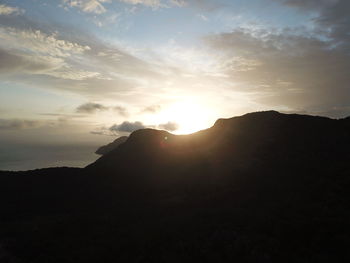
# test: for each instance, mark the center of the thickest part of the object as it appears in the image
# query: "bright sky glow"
(107, 67)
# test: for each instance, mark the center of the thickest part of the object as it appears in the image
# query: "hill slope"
(111, 146)
(263, 187)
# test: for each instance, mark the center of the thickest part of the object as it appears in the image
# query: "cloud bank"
(295, 68)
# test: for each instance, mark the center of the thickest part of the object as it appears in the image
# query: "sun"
(190, 116)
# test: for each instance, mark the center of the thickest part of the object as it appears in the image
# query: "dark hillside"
(263, 187)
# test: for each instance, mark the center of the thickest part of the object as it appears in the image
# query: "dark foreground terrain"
(263, 187)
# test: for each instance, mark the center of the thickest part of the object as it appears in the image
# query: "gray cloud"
(309, 4)
(127, 127)
(91, 107)
(286, 69)
(170, 126)
(333, 18)
(18, 124)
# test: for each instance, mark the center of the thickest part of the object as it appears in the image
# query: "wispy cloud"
(152, 109)
(121, 111)
(151, 3)
(98, 6)
(202, 17)
(89, 6)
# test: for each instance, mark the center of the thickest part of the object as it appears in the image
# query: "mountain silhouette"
(262, 187)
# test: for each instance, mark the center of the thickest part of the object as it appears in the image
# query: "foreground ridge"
(262, 187)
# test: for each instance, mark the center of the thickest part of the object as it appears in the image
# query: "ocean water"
(28, 157)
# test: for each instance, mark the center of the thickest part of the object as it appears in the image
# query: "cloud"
(170, 126)
(98, 7)
(19, 124)
(285, 69)
(67, 72)
(127, 127)
(332, 18)
(8, 10)
(151, 3)
(91, 107)
(72, 60)
(39, 42)
(88, 6)
(310, 4)
(121, 111)
(152, 109)
(12, 62)
(34, 52)
(17, 63)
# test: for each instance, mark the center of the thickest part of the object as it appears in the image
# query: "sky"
(76, 74)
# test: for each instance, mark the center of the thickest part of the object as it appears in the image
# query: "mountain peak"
(258, 114)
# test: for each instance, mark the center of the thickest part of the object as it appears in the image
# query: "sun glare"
(189, 115)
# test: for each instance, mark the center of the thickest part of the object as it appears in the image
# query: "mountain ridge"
(262, 187)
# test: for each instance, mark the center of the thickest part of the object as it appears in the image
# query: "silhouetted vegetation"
(263, 187)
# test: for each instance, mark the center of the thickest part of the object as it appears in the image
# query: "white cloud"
(98, 6)
(88, 6)
(9, 10)
(74, 74)
(39, 42)
(152, 3)
(38, 53)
